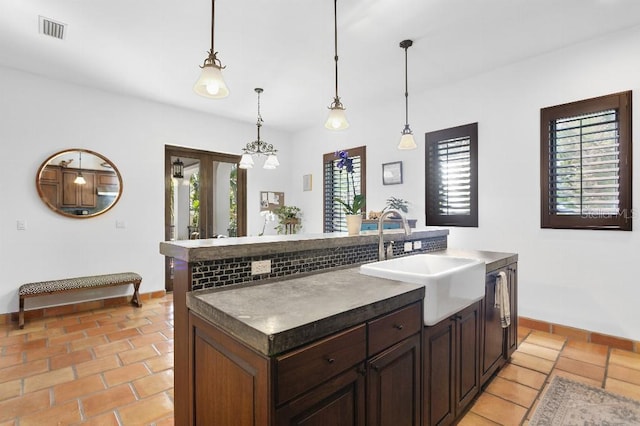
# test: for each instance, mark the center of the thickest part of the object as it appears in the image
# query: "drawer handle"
(398, 326)
(331, 360)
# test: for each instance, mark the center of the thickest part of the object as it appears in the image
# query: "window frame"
(431, 199)
(621, 102)
(360, 151)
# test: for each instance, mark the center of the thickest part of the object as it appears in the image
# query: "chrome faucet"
(407, 231)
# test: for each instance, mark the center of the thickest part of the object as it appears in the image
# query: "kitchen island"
(212, 263)
(307, 313)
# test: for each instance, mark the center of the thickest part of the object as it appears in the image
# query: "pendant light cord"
(335, 33)
(406, 89)
(259, 122)
(213, 17)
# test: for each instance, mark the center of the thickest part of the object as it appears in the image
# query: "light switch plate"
(261, 267)
(21, 225)
(417, 245)
(408, 246)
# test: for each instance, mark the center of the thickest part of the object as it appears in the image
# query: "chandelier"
(259, 147)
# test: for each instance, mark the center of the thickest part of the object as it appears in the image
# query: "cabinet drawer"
(302, 369)
(394, 327)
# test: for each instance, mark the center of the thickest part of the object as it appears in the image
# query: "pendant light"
(259, 147)
(406, 141)
(337, 119)
(178, 169)
(211, 84)
(80, 180)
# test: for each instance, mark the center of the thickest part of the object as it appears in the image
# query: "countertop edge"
(214, 248)
(274, 344)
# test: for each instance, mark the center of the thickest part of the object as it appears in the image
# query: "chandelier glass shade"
(211, 83)
(259, 147)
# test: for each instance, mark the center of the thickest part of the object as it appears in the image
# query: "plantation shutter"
(586, 159)
(335, 186)
(584, 165)
(452, 176)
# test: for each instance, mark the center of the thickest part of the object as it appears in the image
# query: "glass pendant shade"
(246, 162)
(80, 180)
(337, 119)
(271, 162)
(211, 83)
(407, 141)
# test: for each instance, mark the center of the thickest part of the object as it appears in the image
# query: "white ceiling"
(151, 49)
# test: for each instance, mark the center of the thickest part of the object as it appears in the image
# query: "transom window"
(586, 164)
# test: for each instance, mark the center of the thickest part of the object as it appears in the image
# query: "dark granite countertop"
(278, 316)
(493, 259)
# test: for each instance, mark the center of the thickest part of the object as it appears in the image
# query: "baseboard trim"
(72, 308)
(580, 334)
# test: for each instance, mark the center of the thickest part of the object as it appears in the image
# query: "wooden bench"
(79, 283)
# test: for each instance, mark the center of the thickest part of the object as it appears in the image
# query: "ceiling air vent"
(52, 28)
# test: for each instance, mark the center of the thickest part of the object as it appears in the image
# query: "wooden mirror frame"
(54, 182)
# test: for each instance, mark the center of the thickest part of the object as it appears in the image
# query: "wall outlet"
(261, 267)
(121, 224)
(417, 245)
(21, 225)
(408, 246)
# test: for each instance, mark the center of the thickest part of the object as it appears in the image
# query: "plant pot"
(354, 223)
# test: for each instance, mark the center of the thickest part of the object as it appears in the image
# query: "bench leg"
(136, 295)
(21, 313)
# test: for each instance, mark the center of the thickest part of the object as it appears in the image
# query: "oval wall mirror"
(79, 183)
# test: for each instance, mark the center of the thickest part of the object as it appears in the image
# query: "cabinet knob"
(398, 326)
(331, 360)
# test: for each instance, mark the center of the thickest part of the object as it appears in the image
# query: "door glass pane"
(225, 204)
(185, 201)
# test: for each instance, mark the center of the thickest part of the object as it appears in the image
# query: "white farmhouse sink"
(451, 283)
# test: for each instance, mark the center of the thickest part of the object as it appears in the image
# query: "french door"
(206, 200)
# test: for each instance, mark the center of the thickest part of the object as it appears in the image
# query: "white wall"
(38, 117)
(579, 278)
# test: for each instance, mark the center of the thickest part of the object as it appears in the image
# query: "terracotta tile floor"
(111, 366)
(511, 396)
(115, 367)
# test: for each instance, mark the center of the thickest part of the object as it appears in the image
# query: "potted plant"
(353, 209)
(288, 219)
(400, 205)
(396, 203)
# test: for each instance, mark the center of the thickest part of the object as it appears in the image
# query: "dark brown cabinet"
(451, 365)
(369, 374)
(74, 195)
(393, 385)
(498, 343)
(339, 401)
(50, 185)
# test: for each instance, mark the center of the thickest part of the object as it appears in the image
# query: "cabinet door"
(512, 331)
(228, 381)
(74, 195)
(339, 402)
(393, 385)
(492, 332)
(438, 352)
(467, 356)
